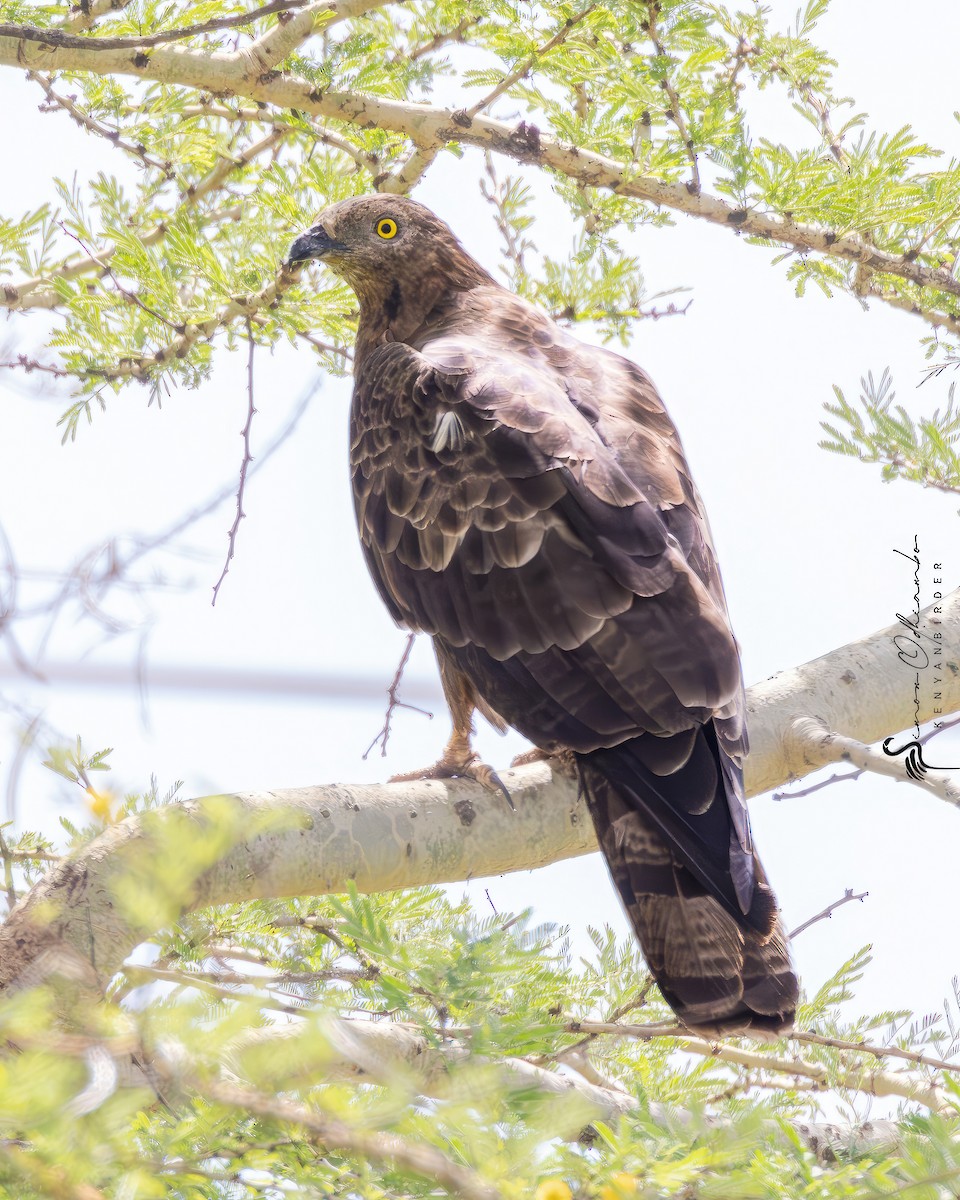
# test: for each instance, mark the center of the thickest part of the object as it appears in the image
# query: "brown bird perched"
(524, 499)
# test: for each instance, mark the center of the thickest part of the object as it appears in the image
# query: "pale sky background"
(806, 539)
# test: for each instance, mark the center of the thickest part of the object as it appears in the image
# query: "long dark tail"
(698, 898)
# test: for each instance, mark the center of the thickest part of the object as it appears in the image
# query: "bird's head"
(387, 246)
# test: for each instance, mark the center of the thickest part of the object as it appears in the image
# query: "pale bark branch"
(863, 690)
(392, 1053)
(407, 834)
(942, 783)
(235, 74)
(314, 841)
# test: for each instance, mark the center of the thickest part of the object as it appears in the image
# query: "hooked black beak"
(315, 243)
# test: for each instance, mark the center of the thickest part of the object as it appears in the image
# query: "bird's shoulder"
(504, 361)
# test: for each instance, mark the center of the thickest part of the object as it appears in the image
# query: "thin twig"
(30, 365)
(394, 703)
(838, 778)
(861, 1047)
(316, 343)
(498, 195)
(7, 855)
(637, 1002)
(875, 1083)
(509, 80)
(436, 42)
(130, 297)
(847, 896)
(327, 137)
(141, 976)
(244, 467)
(29, 294)
(675, 112)
(86, 121)
(816, 787)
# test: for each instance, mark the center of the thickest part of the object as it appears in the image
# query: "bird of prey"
(524, 499)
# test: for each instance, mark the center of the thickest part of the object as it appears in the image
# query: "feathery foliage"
(635, 113)
(319, 1046)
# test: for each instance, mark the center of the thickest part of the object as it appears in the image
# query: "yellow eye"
(387, 227)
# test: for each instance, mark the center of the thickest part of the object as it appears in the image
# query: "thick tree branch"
(863, 691)
(236, 74)
(312, 841)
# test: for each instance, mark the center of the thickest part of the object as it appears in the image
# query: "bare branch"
(244, 465)
(527, 66)
(847, 896)
(818, 787)
(675, 110)
(403, 835)
(29, 365)
(394, 702)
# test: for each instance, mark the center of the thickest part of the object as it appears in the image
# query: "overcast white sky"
(806, 539)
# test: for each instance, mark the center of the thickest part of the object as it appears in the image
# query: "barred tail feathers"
(722, 969)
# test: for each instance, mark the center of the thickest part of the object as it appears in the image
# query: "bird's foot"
(563, 761)
(454, 766)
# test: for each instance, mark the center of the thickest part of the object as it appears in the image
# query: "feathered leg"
(459, 759)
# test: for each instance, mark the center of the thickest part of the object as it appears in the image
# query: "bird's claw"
(460, 768)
